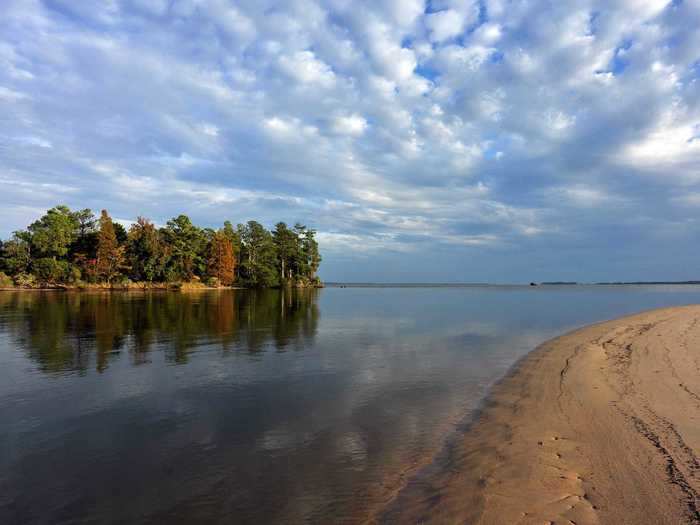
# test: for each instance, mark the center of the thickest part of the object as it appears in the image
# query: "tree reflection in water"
(74, 332)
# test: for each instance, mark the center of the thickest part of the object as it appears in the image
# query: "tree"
(146, 253)
(287, 249)
(301, 264)
(16, 253)
(52, 235)
(66, 247)
(86, 221)
(188, 247)
(110, 256)
(120, 233)
(234, 236)
(311, 253)
(83, 251)
(221, 262)
(259, 259)
(51, 271)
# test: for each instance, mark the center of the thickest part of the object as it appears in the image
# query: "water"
(256, 407)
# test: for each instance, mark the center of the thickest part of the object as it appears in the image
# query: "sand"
(601, 425)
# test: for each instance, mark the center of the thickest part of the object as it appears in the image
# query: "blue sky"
(455, 140)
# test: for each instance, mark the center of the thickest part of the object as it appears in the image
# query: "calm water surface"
(255, 407)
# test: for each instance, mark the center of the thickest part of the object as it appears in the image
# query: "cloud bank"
(453, 140)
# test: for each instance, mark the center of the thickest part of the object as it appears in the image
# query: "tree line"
(66, 247)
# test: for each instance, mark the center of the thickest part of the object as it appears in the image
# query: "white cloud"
(307, 69)
(672, 143)
(289, 129)
(11, 95)
(444, 25)
(354, 125)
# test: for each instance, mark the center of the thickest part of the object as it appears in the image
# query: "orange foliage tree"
(221, 262)
(110, 256)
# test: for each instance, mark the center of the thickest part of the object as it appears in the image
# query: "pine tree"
(259, 257)
(287, 247)
(146, 253)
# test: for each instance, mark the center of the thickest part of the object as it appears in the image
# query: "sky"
(444, 141)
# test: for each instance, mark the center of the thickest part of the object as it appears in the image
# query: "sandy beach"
(601, 425)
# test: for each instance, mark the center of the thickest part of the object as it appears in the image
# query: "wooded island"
(77, 249)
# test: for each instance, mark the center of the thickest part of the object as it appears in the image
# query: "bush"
(172, 276)
(74, 275)
(213, 282)
(25, 280)
(6, 281)
(49, 270)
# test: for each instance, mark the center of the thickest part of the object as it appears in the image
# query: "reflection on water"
(255, 407)
(64, 332)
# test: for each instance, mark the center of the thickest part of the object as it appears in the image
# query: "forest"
(77, 249)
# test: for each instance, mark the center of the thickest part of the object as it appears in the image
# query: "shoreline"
(599, 425)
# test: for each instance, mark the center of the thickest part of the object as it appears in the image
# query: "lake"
(301, 406)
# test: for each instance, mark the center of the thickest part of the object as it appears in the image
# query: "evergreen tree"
(287, 249)
(86, 221)
(120, 233)
(188, 249)
(83, 250)
(259, 258)
(312, 255)
(147, 255)
(52, 235)
(16, 253)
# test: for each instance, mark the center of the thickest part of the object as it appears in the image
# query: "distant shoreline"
(596, 426)
(336, 284)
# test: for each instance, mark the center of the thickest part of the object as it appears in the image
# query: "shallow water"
(256, 407)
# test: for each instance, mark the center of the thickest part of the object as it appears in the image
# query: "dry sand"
(601, 425)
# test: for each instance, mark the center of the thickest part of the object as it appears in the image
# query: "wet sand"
(601, 425)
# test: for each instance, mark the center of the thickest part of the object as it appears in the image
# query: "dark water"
(255, 407)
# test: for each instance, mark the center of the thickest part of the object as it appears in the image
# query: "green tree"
(83, 251)
(51, 271)
(53, 234)
(120, 233)
(259, 258)
(86, 220)
(312, 255)
(287, 251)
(16, 253)
(147, 255)
(187, 244)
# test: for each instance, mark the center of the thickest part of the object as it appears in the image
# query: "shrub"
(6, 281)
(213, 282)
(74, 275)
(25, 280)
(49, 270)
